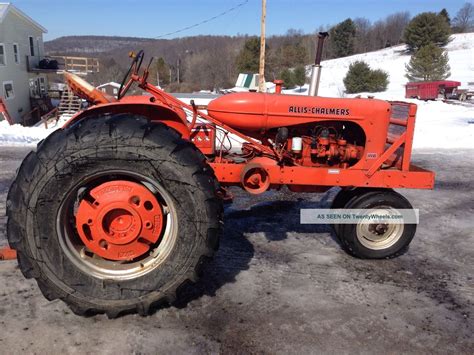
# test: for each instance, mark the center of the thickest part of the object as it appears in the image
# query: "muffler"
(316, 68)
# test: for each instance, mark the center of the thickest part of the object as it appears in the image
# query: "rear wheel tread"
(183, 153)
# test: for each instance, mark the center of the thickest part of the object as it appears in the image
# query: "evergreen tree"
(342, 38)
(444, 13)
(248, 59)
(360, 78)
(427, 28)
(299, 75)
(428, 63)
(287, 78)
(292, 54)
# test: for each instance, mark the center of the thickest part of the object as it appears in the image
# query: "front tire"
(79, 166)
(377, 240)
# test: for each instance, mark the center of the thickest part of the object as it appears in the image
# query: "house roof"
(6, 8)
(112, 83)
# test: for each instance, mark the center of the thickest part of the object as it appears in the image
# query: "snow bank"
(19, 135)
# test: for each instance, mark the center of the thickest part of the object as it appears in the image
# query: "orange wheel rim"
(121, 221)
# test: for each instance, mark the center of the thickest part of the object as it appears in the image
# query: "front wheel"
(112, 215)
(377, 240)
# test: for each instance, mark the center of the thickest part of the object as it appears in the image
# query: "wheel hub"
(380, 235)
(378, 229)
(120, 221)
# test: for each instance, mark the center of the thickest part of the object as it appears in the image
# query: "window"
(38, 87)
(34, 88)
(3, 57)
(115, 91)
(32, 46)
(38, 41)
(16, 53)
(42, 86)
(8, 92)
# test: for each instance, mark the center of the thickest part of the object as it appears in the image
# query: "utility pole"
(177, 70)
(261, 72)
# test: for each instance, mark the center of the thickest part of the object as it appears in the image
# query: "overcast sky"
(154, 18)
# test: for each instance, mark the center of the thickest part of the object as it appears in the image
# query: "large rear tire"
(109, 156)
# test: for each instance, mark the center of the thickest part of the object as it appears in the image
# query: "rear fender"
(156, 112)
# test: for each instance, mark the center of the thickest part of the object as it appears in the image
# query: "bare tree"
(388, 32)
(394, 26)
(362, 40)
(464, 20)
(211, 69)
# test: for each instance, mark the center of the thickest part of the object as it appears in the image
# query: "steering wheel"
(134, 68)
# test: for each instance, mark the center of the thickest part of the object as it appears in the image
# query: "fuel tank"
(252, 112)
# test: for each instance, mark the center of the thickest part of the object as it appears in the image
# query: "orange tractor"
(116, 210)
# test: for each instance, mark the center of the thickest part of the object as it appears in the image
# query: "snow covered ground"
(439, 125)
(19, 135)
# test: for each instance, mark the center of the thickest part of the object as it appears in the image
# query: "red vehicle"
(117, 210)
(4, 112)
(430, 90)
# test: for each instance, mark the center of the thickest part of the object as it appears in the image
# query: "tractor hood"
(253, 112)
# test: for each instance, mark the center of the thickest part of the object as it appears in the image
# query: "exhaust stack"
(316, 68)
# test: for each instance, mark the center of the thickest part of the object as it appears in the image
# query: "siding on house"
(15, 31)
(111, 88)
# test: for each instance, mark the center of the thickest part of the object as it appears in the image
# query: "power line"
(205, 21)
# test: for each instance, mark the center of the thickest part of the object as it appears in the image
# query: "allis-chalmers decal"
(319, 110)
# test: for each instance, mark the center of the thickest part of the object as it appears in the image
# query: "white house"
(21, 49)
(111, 88)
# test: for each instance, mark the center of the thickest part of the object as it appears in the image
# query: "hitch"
(7, 254)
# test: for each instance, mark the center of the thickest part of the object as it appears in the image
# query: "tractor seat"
(86, 91)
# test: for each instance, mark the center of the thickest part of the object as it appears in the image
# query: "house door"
(37, 88)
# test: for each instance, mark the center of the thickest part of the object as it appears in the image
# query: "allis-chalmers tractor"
(120, 207)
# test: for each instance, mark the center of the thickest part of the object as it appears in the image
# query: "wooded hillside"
(209, 62)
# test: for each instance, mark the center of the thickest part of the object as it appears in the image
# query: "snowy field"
(439, 125)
